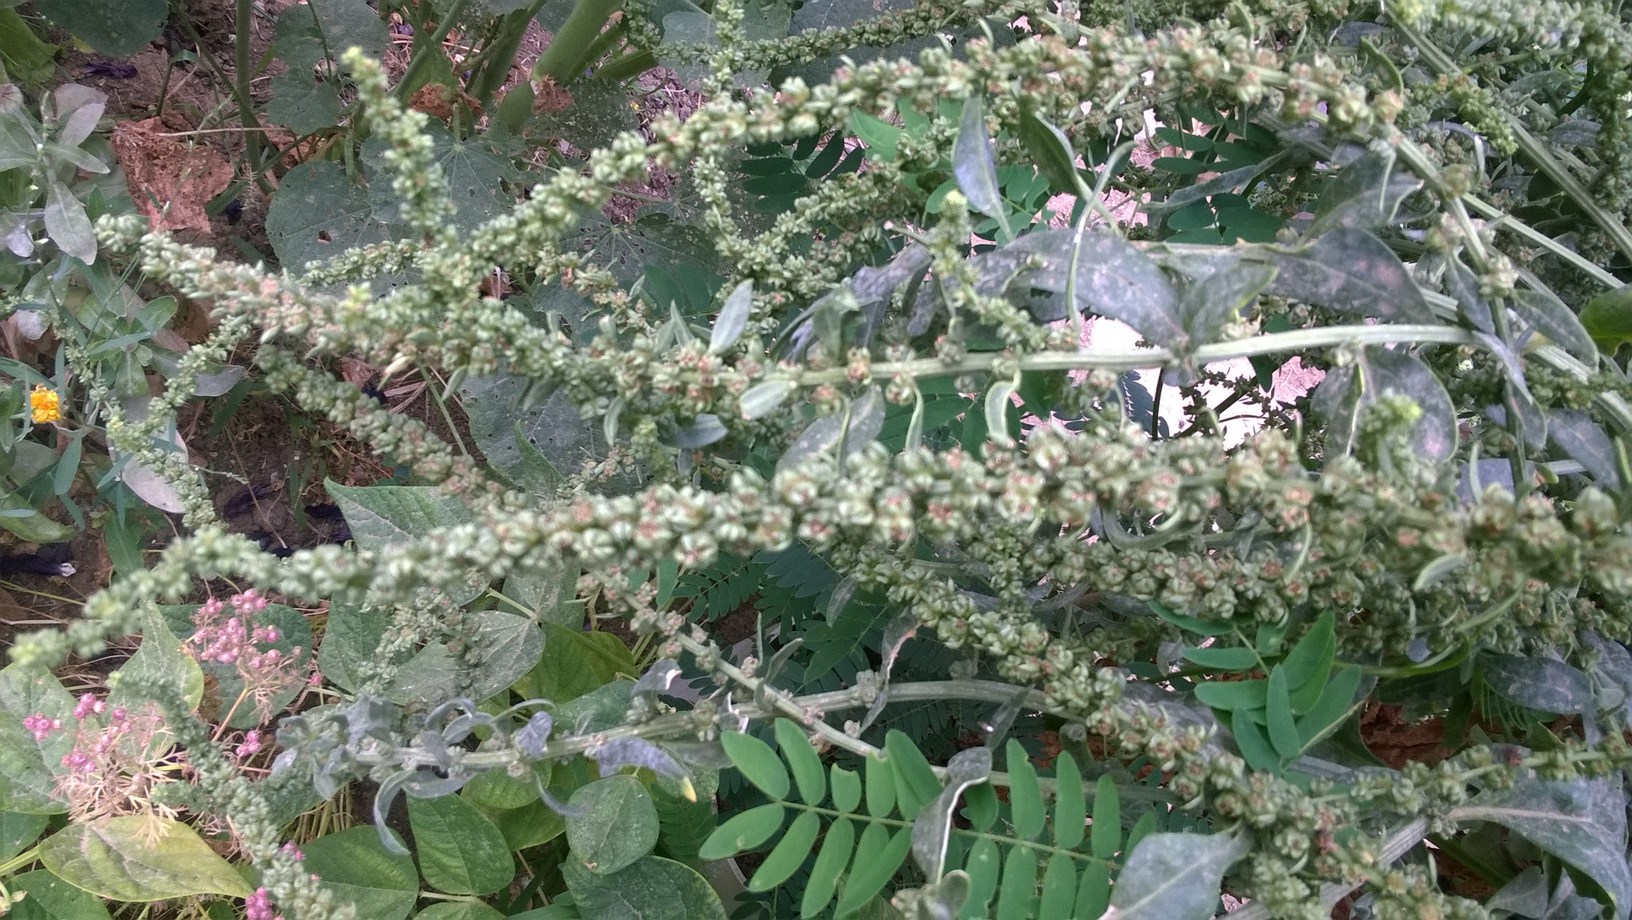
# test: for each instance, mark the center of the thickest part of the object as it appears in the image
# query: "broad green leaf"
(551, 594)
(29, 60)
(758, 763)
(1542, 684)
(789, 853)
(1221, 296)
(974, 167)
(139, 858)
(837, 846)
(66, 223)
(984, 866)
(51, 898)
(744, 831)
(616, 824)
(460, 851)
(474, 170)
(319, 213)
(1059, 887)
(113, 27)
(526, 827)
(384, 516)
(357, 869)
(1580, 821)
(651, 889)
(846, 789)
(17, 831)
(500, 648)
(1608, 319)
(1175, 876)
(529, 445)
(1350, 271)
(574, 663)
(28, 765)
(497, 789)
(808, 775)
(161, 660)
(460, 910)
(17, 516)
(351, 636)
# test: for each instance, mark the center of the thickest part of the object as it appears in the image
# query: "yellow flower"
(47, 405)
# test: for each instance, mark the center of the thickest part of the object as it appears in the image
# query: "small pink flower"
(41, 725)
(88, 704)
(293, 850)
(250, 746)
(258, 906)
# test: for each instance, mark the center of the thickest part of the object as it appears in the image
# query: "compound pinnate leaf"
(878, 856)
(915, 782)
(140, 858)
(808, 775)
(830, 862)
(613, 823)
(743, 832)
(758, 763)
(1174, 876)
(846, 789)
(1025, 793)
(789, 853)
(460, 851)
(1107, 832)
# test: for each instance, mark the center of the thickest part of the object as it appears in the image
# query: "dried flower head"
(119, 757)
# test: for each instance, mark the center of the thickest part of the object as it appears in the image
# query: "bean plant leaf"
(529, 445)
(649, 889)
(161, 660)
(1608, 318)
(46, 897)
(139, 858)
(28, 763)
(357, 869)
(116, 28)
(381, 517)
(1580, 821)
(1350, 271)
(614, 823)
(459, 850)
(1175, 876)
(1542, 684)
(499, 648)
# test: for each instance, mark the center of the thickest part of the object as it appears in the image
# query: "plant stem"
(432, 45)
(630, 65)
(568, 54)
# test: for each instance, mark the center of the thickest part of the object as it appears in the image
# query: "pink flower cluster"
(41, 726)
(258, 906)
(227, 633)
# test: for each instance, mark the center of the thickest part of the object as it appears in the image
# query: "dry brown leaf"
(170, 180)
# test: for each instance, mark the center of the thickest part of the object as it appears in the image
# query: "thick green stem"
(500, 56)
(568, 54)
(630, 65)
(432, 45)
